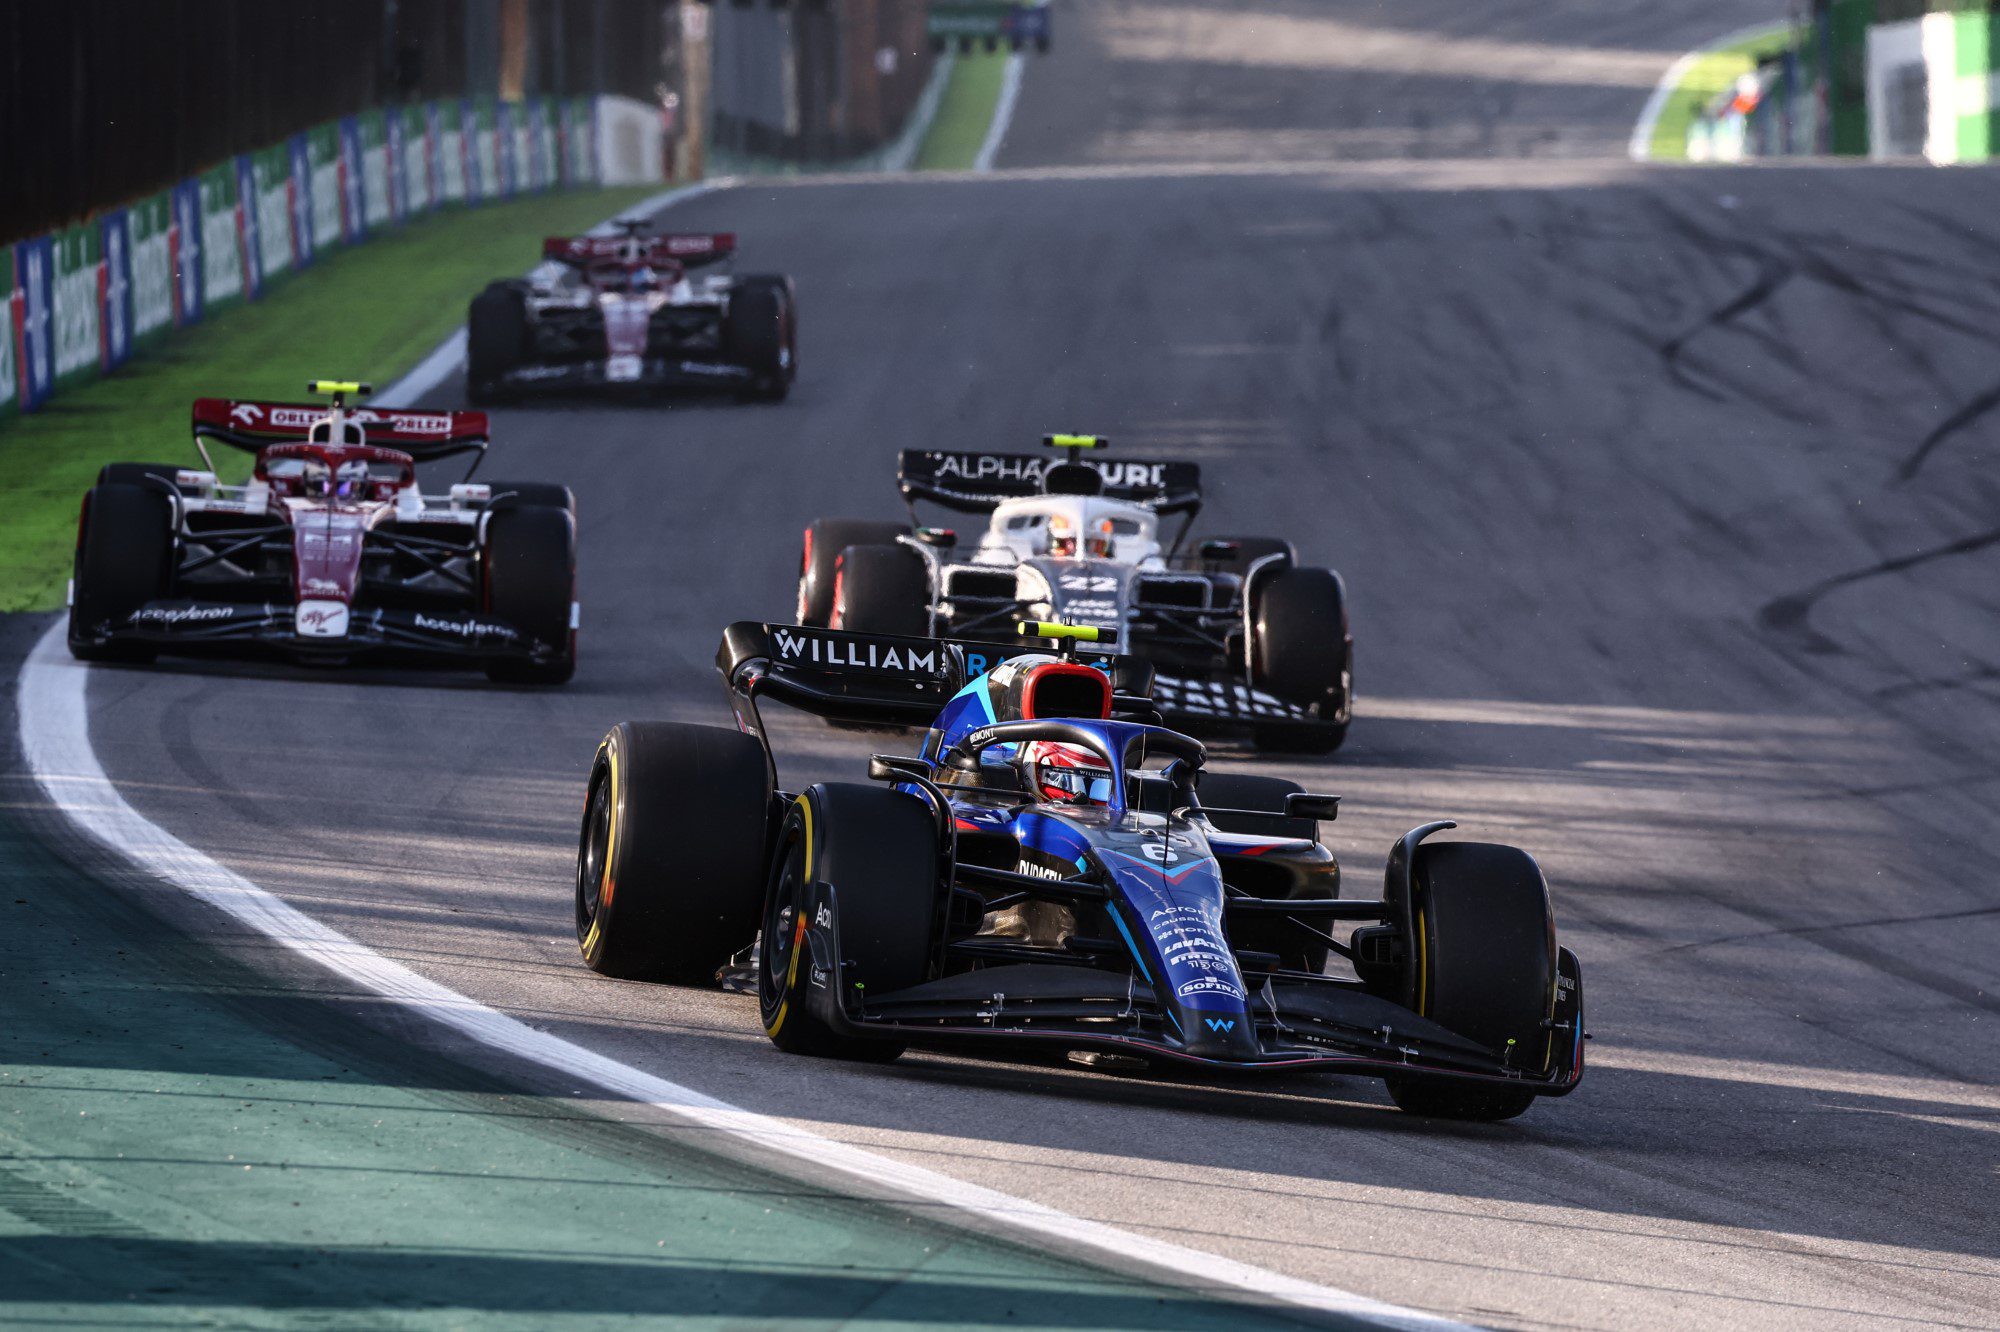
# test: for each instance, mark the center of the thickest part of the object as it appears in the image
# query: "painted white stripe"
(448, 357)
(1003, 112)
(55, 742)
(1641, 147)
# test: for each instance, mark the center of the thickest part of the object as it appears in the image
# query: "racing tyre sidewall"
(878, 849)
(761, 334)
(530, 584)
(496, 341)
(124, 558)
(824, 540)
(881, 590)
(1485, 967)
(670, 860)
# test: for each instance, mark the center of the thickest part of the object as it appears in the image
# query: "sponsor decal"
(1094, 583)
(624, 369)
(823, 918)
(1208, 985)
(463, 628)
(1034, 871)
(989, 467)
(532, 373)
(321, 619)
(1220, 1025)
(704, 368)
(805, 647)
(171, 615)
(115, 320)
(187, 240)
(34, 265)
(246, 412)
(323, 587)
(295, 418)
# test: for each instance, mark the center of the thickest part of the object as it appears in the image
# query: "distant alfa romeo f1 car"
(628, 309)
(1053, 871)
(329, 552)
(1243, 636)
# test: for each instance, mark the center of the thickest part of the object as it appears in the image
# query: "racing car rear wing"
(882, 679)
(688, 249)
(425, 436)
(977, 482)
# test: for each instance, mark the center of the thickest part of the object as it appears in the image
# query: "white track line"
(52, 702)
(55, 744)
(1641, 147)
(449, 356)
(1003, 112)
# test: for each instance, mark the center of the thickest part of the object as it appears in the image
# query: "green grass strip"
(368, 313)
(1706, 78)
(964, 114)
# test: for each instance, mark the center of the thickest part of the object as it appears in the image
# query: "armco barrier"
(79, 302)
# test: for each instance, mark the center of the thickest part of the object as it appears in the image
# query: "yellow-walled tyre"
(878, 848)
(670, 867)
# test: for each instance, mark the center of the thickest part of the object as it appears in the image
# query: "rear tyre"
(530, 570)
(761, 333)
(878, 849)
(1485, 968)
(124, 559)
(824, 541)
(881, 590)
(496, 341)
(670, 865)
(1301, 652)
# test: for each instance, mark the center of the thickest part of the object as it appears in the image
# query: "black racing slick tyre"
(496, 341)
(670, 865)
(760, 333)
(1301, 652)
(1485, 967)
(824, 541)
(878, 850)
(881, 590)
(534, 492)
(124, 558)
(530, 578)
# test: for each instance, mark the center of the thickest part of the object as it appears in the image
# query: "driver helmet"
(313, 480)
(1062, 537)
(1101, 544)
(351, 481)
(1067, 774)
(642, 279)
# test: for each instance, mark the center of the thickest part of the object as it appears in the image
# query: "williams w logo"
(1221, 1024)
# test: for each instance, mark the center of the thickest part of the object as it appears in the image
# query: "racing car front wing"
(1302, 1020)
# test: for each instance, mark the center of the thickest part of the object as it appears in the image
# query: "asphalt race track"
(1666, 504)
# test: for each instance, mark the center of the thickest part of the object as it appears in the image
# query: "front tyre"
(530, 574)
(670, 864)
(1485, 960)
(760, 331)
(496, 342)
(124, 559)
(878, 849)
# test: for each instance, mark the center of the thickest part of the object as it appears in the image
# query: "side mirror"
(896, 767)
(1304, 805)
(937, 538)
(1218, 550)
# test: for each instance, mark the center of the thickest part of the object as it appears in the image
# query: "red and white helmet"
(1066, 774)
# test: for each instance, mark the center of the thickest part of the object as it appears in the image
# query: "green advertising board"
(152, 223)
(221, 245)
(75, 309)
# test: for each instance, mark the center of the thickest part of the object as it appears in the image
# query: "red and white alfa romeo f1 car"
(329, 552)
(630, 309)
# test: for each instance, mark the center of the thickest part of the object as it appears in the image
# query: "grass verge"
(367, 313)
(964, 114)
(1711, 72)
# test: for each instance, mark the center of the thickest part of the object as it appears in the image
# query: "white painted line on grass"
(1641, 147)
(449, 356)
(1003, 112)
(55, 744)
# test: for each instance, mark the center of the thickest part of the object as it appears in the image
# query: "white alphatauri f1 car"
(1241, 635)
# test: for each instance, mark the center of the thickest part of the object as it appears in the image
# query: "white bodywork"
(1097, 528)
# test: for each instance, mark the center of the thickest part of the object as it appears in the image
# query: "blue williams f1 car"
(1055, 870)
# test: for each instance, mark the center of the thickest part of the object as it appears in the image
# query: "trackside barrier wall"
(79, 302)
(1931, 88)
